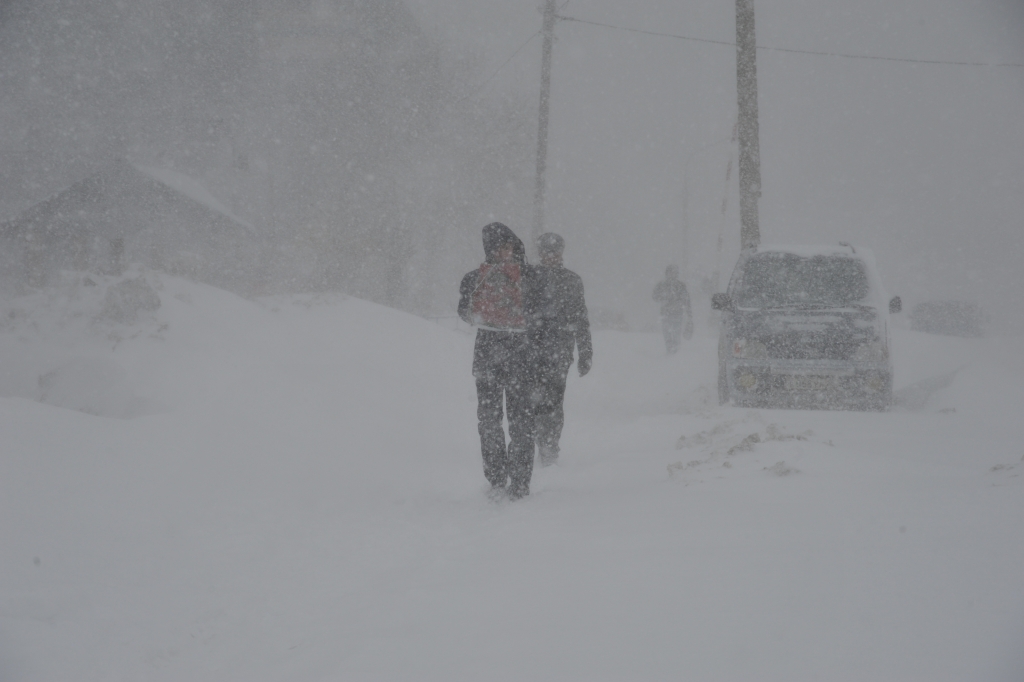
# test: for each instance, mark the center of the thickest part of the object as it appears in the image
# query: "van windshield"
(780, 280)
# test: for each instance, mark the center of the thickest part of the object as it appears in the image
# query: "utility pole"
(750, 154)
(684, 257)
(542, 125)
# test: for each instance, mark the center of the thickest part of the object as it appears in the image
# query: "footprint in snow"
(780, 469)
(1008, 468)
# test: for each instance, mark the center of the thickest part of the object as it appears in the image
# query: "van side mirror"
(895, 305)
(721, 302)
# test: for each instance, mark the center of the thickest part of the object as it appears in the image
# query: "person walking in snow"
(558, 322)
(495, 299)
(675, 308)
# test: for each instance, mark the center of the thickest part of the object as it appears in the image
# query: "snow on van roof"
(811, 250)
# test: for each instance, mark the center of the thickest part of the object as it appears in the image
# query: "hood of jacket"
(495, 236)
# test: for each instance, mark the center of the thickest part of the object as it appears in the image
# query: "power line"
(497, 70)
(784, 49)
(649, 33)
(505, 63)
(881, 58)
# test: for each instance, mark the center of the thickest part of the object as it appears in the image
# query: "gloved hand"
(583, 365)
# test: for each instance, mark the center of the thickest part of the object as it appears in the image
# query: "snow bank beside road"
(305, 500)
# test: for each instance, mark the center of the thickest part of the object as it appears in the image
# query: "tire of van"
(723, 382)
(882, 403)
(885, 403)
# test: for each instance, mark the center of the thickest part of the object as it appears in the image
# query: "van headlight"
(744, 348)
(872, 351)
(875, 383)
(746, 381)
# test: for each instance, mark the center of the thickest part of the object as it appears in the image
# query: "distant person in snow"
(675, 309)
(558, 321)
(494, 298)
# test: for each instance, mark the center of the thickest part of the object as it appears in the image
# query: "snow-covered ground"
(291, 489)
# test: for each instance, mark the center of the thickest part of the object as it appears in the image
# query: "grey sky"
(922, 163)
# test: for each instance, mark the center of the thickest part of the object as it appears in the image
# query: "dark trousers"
(503, 380)
(549, 415)
(672, 328)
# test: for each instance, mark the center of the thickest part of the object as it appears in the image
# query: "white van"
(805, 327)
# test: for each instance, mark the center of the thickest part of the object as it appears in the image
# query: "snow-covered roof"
(811, 250)
(193, 189)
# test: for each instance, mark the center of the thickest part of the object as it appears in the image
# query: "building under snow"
(129, 213)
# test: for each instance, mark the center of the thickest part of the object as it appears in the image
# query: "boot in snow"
(548, 455)
(517, 492)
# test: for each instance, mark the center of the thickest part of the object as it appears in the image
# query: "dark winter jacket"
(507, 350)
(558, 316)
(673, 297)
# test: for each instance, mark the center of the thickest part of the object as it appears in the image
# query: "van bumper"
(809, 384)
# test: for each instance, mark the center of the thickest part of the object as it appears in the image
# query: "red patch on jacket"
(497, 300)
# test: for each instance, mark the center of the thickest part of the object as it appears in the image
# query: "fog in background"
(340, 129)
(369, 141)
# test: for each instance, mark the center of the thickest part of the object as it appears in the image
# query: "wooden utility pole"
(750, 154)
(542, 125)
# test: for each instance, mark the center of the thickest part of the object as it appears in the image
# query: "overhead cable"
(785, 49)
(505, 63)
(497, 70)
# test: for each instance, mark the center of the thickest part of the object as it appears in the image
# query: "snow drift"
(291, 489)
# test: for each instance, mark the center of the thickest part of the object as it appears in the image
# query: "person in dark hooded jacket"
(559, 321)
(496, 299)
